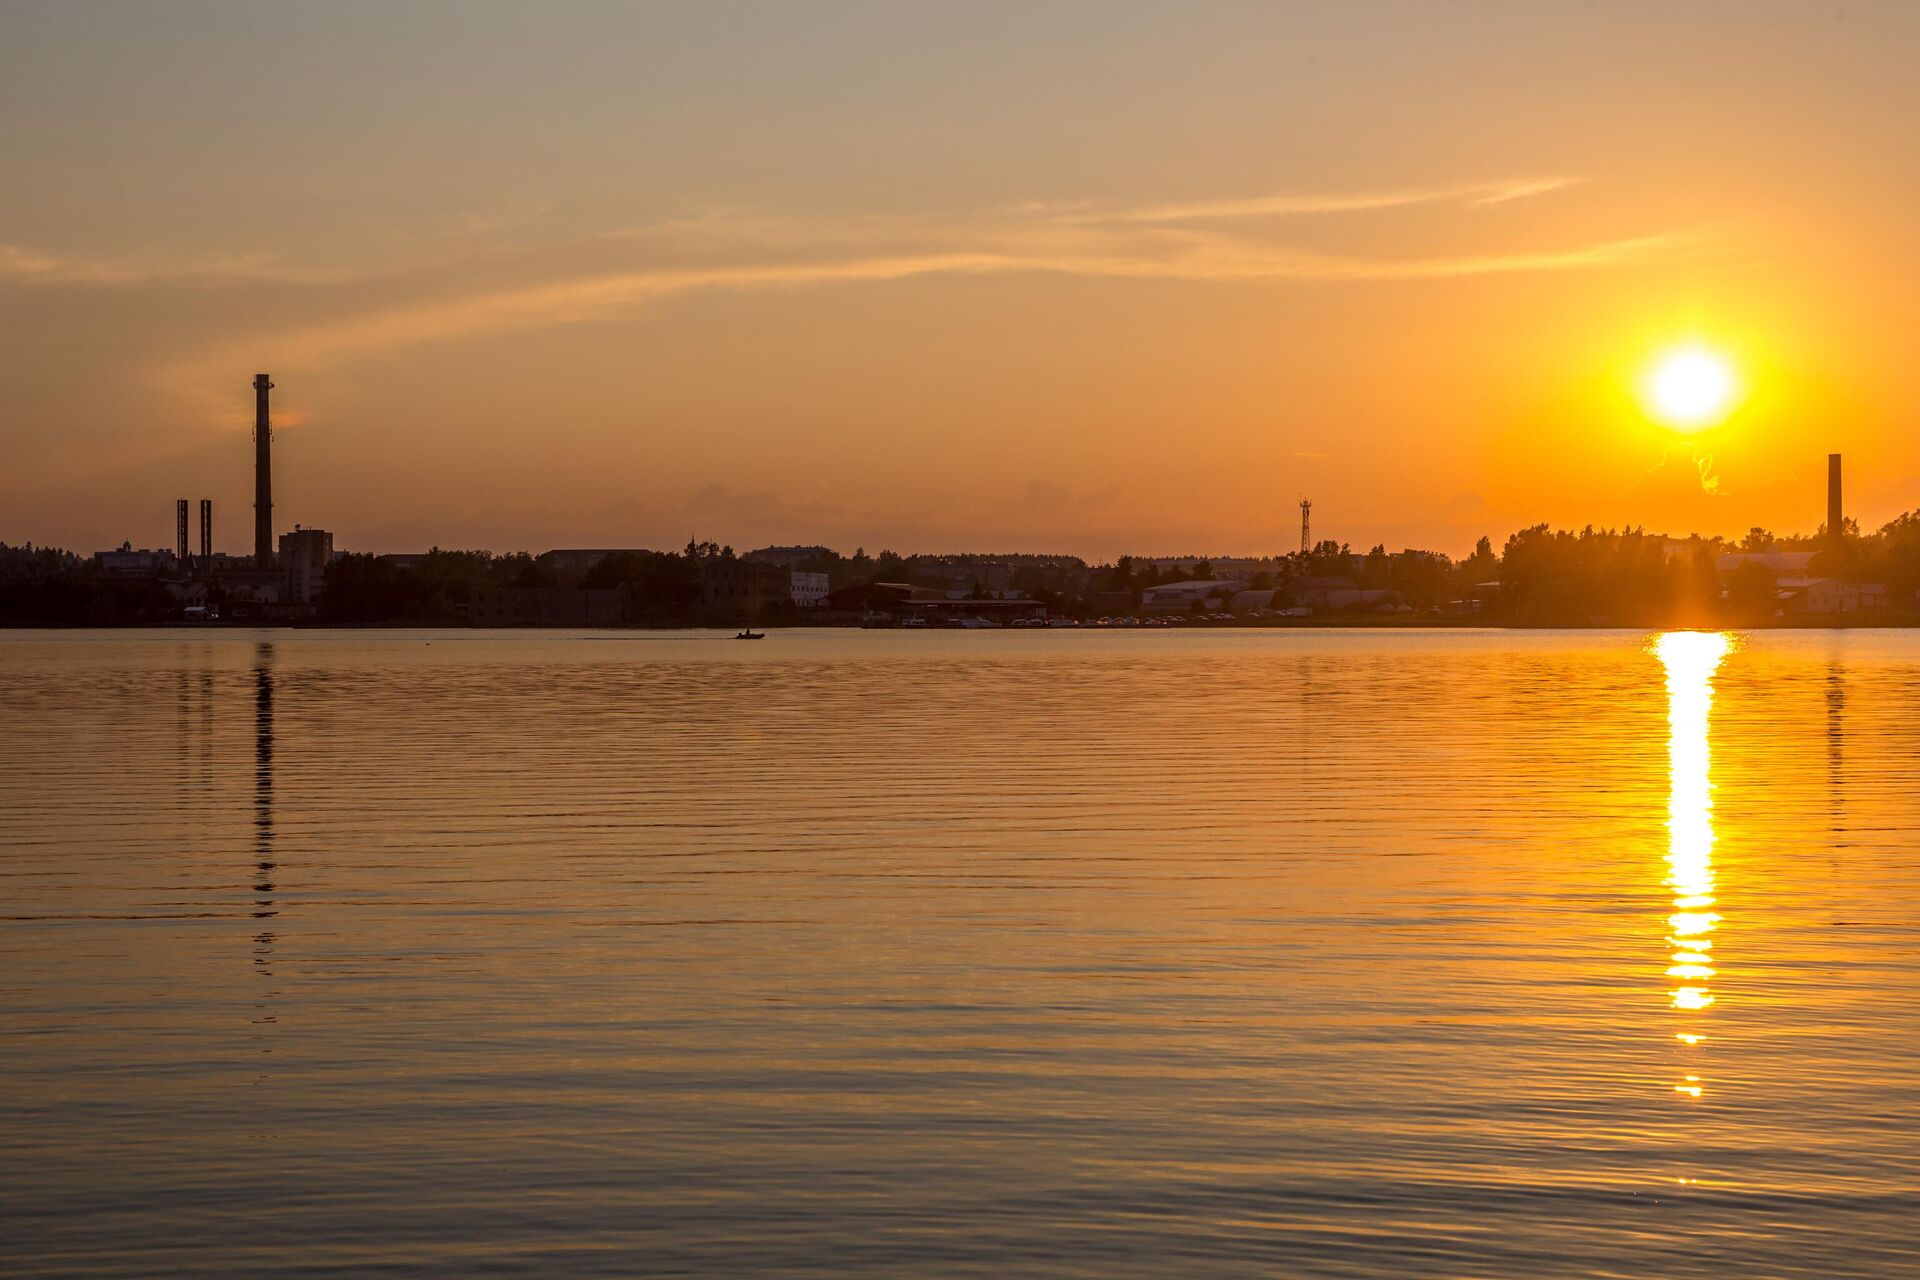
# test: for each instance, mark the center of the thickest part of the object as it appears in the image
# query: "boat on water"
(751, 635)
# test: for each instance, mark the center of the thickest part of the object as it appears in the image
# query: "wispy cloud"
(610, 275)
(598, 297)
(1031, 225)
(31, 266)
(1684, 473)
(1285, 205)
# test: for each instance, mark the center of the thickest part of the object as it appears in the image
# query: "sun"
(1691, 388)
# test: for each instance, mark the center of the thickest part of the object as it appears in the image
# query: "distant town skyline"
(1089, 281)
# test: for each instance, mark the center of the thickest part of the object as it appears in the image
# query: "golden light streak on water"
(1690, 658)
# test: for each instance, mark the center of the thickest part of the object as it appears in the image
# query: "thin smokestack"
(206, 528)
(262, 475)
(180, 530)
(1836, 519)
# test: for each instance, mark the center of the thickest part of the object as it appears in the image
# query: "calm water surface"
(1288, 954)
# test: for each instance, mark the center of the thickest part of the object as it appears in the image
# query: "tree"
(534, 574)
(1892, 556)
(1750, 592)
(662, 585)
(1604, 577)
(1376, 571)
(1420, 577)
(365, 589)
(1328, 559)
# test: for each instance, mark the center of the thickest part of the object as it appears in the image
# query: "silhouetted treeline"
(435, 587)
(1891, 556)
(1540, 577)
(41, 586)
(662, 585)
(439, 586)
(1602, 577)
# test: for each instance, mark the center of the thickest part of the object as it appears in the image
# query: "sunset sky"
(1095, 278)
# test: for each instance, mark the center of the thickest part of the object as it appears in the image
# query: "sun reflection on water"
(1690, 658)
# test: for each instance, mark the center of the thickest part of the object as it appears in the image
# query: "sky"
(1095, 279)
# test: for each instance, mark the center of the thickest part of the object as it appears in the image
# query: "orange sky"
(1097, 278)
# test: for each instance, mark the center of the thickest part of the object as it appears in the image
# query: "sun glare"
(1691, 388)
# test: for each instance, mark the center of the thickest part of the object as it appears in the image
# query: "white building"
(129, 560)
(1790, 563)
(809, 589)
(1180, 597)
(1248, 601)
(1829, 595)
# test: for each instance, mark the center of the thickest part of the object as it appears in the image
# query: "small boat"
(751, 635)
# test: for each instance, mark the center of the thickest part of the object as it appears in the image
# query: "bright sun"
(1691, 388)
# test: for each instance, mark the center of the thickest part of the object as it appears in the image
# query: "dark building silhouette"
(743, 590)
(262, 475)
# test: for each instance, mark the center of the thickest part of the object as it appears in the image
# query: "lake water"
(1286, 953)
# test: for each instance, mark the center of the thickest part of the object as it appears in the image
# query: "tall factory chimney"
(1835, 520)
(206, 529)
(262, 475)
(180, 529)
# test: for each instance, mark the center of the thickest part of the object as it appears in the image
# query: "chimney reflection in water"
(265, 864)
(263, 782)
(1690, 658)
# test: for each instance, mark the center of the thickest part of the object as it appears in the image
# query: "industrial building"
(1811, 582)
(262, 585)
(304, 555)
(1184, 597)
(129, 560)
(743, 590)
(809, 590)
(901, 602)
(1775, 562)
(1828, 595)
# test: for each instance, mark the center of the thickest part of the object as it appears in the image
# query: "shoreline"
(1818, 623)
